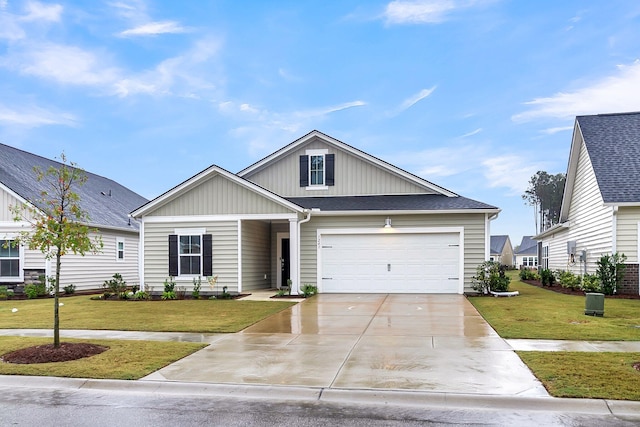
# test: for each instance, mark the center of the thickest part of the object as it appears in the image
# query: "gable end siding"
(352, 176)
(219, 196)
(627, 232)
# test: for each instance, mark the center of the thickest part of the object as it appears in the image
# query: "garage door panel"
(391, 263)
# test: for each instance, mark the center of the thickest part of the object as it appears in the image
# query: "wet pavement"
(384, 342)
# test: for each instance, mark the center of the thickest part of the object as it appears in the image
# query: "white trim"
(217, 218)
(279, 236)
(614, 230)
(487, 237)
(403, 212)
(198, 178)
(316, 152)
(358, 153)
(393, 230)
(239, 256)
(189, 231)
(294, 255)
(143, 286)
(20, 277)
(316, 187)
(638, 254)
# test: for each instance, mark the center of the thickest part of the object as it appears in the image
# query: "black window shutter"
(304, 171)
(173, 255)
(207, 255)
(330, 160)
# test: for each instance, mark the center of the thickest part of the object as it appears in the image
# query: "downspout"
(487, 234)
(302, 221)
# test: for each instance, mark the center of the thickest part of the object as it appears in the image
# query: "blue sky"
(473, 95)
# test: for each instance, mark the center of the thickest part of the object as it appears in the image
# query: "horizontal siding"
(256, 258)
(558, 258)
(474, 237)
(225, 254)
(219, 196)
(353, 176)
(627, 232)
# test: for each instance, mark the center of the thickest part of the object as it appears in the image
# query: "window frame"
(545, 257)
(191, 232)
(182, 255)
(310, 171)
(20, 277)
(120, 240)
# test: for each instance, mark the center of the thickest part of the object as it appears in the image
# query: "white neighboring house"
(527, 253)
(601, 203)
(501, 250)
(317, 211)
(108, 205)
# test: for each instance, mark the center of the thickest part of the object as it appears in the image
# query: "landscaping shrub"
(569, 280)
(490, 276)
(70, 289)
(197, 283)
(309, 290)
(611, 272)
(590, 283)
(528, 274)
(547, 277)
(116, 286)
(169, 289)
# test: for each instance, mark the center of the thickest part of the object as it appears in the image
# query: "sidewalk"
(514, 344)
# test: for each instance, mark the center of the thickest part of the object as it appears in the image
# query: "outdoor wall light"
(387, 223)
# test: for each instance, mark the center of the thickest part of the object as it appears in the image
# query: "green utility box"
(594, 304)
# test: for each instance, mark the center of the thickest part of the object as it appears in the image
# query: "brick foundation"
(630, 285)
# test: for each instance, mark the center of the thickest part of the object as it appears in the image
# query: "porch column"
(294, 255)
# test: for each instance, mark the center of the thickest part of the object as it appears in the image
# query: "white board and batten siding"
(468, 229)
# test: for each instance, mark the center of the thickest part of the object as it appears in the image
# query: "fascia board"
(402, 212)
(572, 167)
(358, 153)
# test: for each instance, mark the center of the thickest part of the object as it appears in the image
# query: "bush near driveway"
(80, 312)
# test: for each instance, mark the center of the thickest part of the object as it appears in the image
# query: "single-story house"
(601, 203)
(501, 250)
(108, 205)
(320, 212)
(527, 253)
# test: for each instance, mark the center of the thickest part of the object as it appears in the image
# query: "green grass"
(80, 312)
(586, 375)
(124, 360)
(543, 314)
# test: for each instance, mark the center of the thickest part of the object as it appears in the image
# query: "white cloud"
(555, 130)
(473, 132)
(441, 161)
(425, 11)
(616, 93)
(510, 171)
(64, 64)
(155, 28)
(37, 11)
(35, 117)
(411, 101)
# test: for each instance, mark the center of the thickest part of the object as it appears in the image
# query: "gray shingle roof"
(497, 243)
(408, 202)
(528, 246)
(613, 144)
(107, 202)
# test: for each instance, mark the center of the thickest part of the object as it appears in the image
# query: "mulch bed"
(48, 353)
(559, 289)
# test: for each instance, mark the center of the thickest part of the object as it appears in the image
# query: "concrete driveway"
(402, 342)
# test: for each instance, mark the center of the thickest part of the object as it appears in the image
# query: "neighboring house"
(108, 205)
(601, 203)
(501, 250)
(527, 253)
(317, 211)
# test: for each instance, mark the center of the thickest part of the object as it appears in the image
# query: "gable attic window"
(317, 170)
(190, 253)
(9, 261)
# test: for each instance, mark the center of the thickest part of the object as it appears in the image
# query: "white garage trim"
(372, 231)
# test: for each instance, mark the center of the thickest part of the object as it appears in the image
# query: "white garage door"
(391, 263)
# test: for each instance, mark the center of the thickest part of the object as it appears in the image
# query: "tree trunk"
(56, 308)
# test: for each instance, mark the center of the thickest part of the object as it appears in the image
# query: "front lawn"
(80, 312)
(124, 360)
(586, 375)
(543, 314)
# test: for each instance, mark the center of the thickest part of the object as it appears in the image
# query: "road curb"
(623, 409)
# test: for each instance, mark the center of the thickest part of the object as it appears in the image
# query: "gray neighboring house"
(527, 253)
(318, 211)
(108, 205)
(501, 250)
(600, 211)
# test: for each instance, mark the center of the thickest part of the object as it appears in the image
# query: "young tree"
(58, 223)
(545, 193)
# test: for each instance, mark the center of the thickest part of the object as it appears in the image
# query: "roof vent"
(106, 194)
